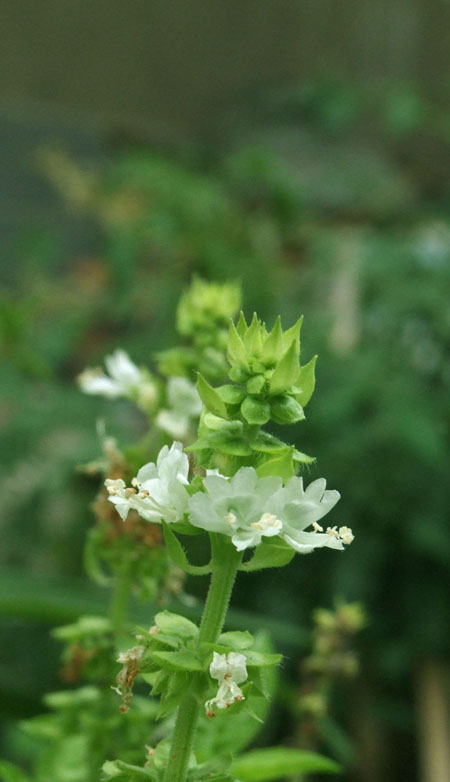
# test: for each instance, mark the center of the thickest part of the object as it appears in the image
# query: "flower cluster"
(158, 491)
(248, 508)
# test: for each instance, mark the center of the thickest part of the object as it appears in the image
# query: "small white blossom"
(125, 379)
(230, 670)
(184, 405)
(300, 508)
(236, 507)
(248, 508)
(158, 491)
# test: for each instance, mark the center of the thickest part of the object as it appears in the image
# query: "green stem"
(225, 562)
(120, 598)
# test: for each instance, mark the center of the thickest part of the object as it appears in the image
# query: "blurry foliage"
(305, 219)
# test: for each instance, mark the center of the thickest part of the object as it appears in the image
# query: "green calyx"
(267, 383)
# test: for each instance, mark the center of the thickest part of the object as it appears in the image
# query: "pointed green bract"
(253, 339)
(273, 346)
(236, 352)
(241, 325)
(211, 398)
(306, 383)
(294, 333)
(282, 465)
(287, 371)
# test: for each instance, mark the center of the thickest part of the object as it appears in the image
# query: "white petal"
(305, 542)
(122, 506)
(122, 369)
(244, 481)
(202, 514)
(243, 539)
(92, 382)
(174, 423)
(217, 486)
(315, 491)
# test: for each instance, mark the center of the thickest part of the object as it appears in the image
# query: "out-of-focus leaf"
(272, 763)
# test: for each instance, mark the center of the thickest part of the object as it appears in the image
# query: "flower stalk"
(225, 563)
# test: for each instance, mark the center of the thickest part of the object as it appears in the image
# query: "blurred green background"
(303, 148)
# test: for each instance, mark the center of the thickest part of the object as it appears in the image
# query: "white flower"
(229, 670)
(248, 508)
(237, 507)
(158, 491)
(299, 508)
(184, 404)
(125, 379)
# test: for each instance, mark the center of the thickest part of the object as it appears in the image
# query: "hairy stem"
(225, 562)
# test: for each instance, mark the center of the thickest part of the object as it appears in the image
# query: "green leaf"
(267, 443)
(259, 659)
(273, 553)
(282, 465)
(178, 555)
(236, 352)
(307, 382)
(185, 660)
(286, 410)
(236, 639)
(210, 398)
(286, 372)
(272, 763)
(255, 411)
(124, 772)
(158, 680)
(231, 395)
(229, 443)
(220, 736)
(178, 685)
(175, 624)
